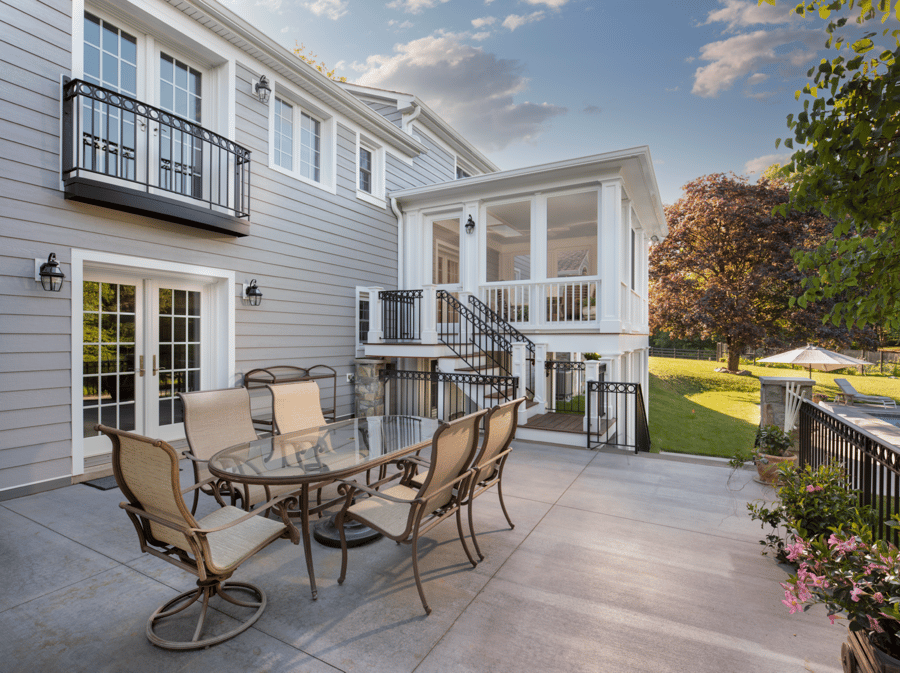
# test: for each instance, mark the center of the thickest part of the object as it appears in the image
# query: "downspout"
(401, 274)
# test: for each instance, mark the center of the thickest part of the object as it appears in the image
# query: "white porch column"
(519, 353)
(610, 243)
(540, 377)
(592, 411)
(429, 314)
(376, 330)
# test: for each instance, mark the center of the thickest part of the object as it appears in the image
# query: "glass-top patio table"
(318, 456)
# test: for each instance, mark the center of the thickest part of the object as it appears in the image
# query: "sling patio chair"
(405, 512)
(215, 420)
(212, 548)
(499, 430)
(852, 396)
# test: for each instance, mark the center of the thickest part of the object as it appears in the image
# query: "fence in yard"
(617, 416)
(884, 362)
(683, 353)
(444, 395)
(872, 466)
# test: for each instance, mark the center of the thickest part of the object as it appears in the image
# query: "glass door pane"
(108, 360)
(178, 318)
(180, 153)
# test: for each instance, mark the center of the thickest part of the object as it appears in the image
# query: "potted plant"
(857, 579)
(773, 447)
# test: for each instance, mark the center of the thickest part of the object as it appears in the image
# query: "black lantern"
(253, 294)
(470, 225)
(262, 89)
(52, 276)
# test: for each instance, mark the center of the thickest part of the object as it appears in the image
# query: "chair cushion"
(391, 517)
(228, 548)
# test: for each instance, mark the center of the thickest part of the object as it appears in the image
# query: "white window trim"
(377, 196)
(222, 321)
(327, 139)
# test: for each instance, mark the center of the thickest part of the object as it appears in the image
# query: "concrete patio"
(617, 563)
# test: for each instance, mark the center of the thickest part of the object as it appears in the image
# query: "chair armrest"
(256, 512)
(356, 486)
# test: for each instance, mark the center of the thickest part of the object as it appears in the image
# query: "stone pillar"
(773, 397)
(369, 388)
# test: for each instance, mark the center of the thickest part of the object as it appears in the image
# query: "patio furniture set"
(273, 479)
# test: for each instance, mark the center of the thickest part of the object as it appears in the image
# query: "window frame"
(377, 196)
(327, 138)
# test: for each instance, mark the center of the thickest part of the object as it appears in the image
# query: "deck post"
(376, 333)
(591, 373)
(429, 314)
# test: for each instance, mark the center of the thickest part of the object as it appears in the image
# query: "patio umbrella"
(813, 356)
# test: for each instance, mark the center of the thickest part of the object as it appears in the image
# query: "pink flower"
(878, 597)
(812, 489)
(874, 625)
(833, 617)
(855, 593)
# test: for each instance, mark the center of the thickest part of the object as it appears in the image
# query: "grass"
(696, 410)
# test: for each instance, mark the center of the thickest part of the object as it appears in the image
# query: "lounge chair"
(851, 395)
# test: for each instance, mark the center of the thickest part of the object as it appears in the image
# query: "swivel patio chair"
(499, 430)
(212, 548)
(405, 512)
(852, 396)
(215, 420)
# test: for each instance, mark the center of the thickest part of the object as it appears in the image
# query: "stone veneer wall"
(369, 388)
(772, 393)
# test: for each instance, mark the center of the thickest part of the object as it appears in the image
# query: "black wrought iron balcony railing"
(121, 153)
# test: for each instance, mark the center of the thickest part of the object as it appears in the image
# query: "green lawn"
(694, 409)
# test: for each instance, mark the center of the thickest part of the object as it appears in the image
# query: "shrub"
(811, 502)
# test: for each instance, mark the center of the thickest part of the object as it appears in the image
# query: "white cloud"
(484, 21)
(592, 110)
(483, 35)
(757, 78)
(552, 4)
(742, 13)
(740, 55)
(333, 9)
(514, 21)
(472, 89)
(759, 164)
(414, 6)
(271, 5)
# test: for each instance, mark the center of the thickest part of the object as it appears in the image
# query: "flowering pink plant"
(855, 577)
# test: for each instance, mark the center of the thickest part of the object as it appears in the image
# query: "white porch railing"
(550, 303)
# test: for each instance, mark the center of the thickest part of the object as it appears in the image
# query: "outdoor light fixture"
(470, 225)
(253, 294)
(50, 275)
(654, 238)
(262, 89)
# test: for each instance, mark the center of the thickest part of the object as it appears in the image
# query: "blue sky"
(707, 84)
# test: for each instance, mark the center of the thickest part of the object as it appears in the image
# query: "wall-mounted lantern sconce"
(252, 294)
(470, 225)
(654, 238)
(49, 273)
(262, 89)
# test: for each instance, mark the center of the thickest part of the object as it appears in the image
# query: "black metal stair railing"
(497, 325)
(471, 339)
(435, 394)
(113, 137)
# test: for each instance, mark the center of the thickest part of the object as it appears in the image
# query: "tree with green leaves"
(725, 270)
(846, 163)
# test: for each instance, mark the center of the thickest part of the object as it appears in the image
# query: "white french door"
(142, 344)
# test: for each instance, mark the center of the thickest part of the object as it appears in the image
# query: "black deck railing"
(442, 395)
(119, 139)
(565, 386)
(872, 466)
(622, 421)
(401, 315)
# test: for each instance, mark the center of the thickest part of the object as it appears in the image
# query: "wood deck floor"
(573, 423)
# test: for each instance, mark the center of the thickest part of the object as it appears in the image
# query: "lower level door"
(142, 345)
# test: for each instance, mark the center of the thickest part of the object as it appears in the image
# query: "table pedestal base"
(326, 533)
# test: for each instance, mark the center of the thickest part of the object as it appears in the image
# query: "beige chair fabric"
(215, 420)
(405, 511)
(852, 396)
(296, 406)
(499, 430)
(211, 548)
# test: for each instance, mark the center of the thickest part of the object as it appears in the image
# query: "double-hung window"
(365, 170)
(301, 141)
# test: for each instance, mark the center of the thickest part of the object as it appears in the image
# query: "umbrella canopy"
(813, 356)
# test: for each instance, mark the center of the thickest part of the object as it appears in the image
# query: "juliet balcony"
(121, 153)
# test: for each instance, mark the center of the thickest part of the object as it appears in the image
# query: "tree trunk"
(734, 355)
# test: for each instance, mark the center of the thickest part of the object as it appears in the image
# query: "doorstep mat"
(103, 483)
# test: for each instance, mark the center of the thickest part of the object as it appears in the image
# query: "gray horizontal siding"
(308, 248)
